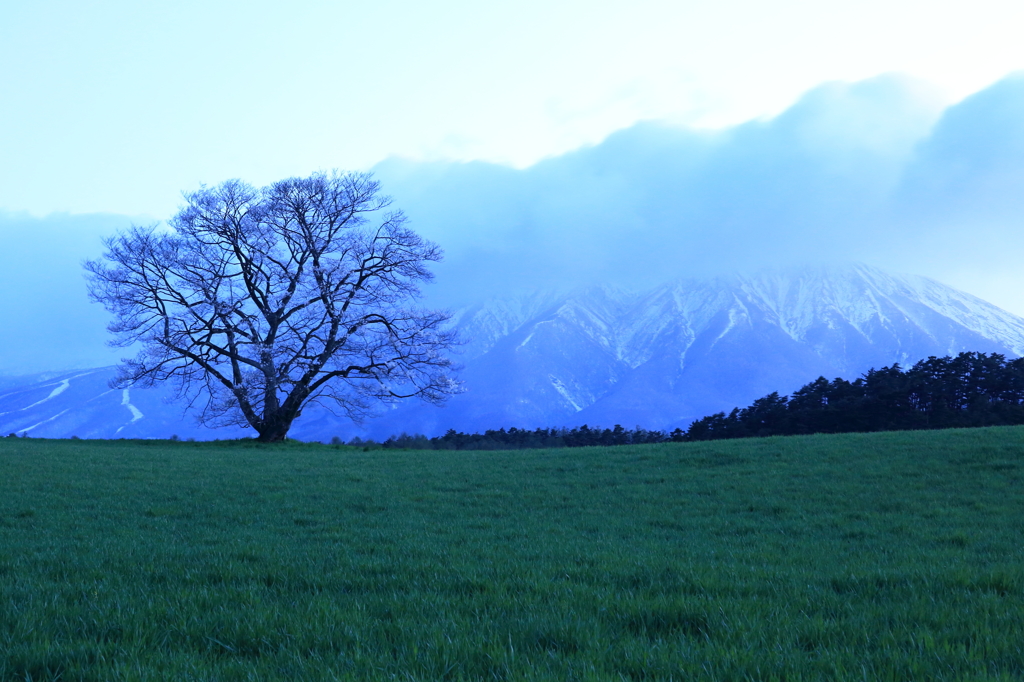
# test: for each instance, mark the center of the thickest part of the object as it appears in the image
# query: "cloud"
(959, 209)
(655, 201)
(973, 162)
(48, 321)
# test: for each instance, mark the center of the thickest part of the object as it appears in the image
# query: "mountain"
(663, 357)
(80, 403)
(658, 358)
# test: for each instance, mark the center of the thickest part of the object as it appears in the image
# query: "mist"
(48, 321)
(878, 171)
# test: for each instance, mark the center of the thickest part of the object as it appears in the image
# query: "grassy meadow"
(887, 556)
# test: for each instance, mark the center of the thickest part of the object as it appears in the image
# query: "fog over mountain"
(48, 322)
(875, 171)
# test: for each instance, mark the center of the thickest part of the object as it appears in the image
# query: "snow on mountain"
(665, 356)
(494, 319)
(657, 358)
(81, 403)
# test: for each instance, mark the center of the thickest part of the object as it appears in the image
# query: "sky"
(116, 106)
(795, 129)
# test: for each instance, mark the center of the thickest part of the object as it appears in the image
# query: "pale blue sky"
(118, 106)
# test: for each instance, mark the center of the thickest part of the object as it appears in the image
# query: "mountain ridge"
(658, 358)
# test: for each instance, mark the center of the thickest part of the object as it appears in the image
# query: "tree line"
(971, 389)
(524, 439)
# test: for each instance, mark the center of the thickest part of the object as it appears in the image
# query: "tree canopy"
(259, 301)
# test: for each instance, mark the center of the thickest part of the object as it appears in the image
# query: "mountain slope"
(666, 356)
(657, 358)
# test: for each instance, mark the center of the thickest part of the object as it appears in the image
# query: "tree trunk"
(275, 428)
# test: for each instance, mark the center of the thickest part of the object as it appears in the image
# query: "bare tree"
(260, 301)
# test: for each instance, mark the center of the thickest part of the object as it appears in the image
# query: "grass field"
(892, 556)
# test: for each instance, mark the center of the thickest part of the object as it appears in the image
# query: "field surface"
(894, 556)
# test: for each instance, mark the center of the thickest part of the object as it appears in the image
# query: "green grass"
(892, 556)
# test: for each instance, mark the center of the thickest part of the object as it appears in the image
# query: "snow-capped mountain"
(657, 358)
(663, 357)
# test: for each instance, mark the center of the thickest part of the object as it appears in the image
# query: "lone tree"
(261, 301)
